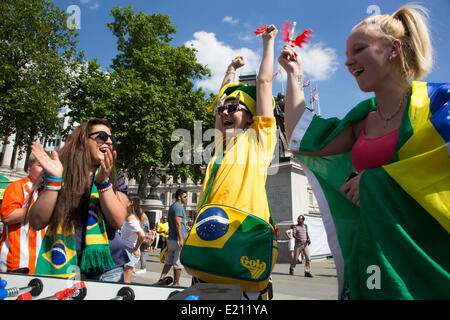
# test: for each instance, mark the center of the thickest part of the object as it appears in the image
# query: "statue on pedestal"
(283, 150)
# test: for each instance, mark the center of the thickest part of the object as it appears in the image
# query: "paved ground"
(322, 287)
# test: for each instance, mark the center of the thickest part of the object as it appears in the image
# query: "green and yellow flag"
(58, 253)
(227, 245)
(4, 182)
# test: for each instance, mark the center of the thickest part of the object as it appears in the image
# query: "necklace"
(386, 119)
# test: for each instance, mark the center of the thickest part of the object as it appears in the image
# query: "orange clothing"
(20, 244)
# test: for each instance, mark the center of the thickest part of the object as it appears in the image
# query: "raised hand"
(51, 165)
(106, 166)
(270, 33)
(290, 60)
(238, 62)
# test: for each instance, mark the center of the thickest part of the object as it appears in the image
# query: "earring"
(390, 58)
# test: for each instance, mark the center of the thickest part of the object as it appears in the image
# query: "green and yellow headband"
(245, 93)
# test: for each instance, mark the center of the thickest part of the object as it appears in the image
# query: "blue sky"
(220, 30)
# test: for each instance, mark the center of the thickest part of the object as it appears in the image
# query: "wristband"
(48, 177)
(104, 187)
(52, 183)
(52, 188)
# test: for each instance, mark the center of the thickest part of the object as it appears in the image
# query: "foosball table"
(30, 287)
(15, 286)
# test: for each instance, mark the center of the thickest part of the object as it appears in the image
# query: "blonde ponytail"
(409, 25)
(417, 52)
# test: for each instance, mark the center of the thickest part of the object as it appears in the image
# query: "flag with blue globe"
(228, 245)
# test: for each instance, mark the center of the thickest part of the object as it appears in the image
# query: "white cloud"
(245, 37)
(216, 56)
(93, 4)
(230, 20)
(319, 63)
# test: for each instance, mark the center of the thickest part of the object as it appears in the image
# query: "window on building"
(194, 197)
(310, 198)
(162, 197)
(191, 217)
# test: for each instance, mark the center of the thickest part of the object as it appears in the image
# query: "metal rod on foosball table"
(125, 293)
(34, 287)
(76, 292)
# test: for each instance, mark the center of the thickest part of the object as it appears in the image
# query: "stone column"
(153, 207)
(287, 192)
(8, 153)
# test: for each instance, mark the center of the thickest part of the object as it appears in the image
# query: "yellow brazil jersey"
(163, 227)
(241, 178)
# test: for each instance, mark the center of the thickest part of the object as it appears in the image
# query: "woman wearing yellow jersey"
(247, 139)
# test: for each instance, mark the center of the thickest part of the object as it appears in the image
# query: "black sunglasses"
(231, 108)
(102, 137)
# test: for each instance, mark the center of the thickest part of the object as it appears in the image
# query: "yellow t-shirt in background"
(161, 228)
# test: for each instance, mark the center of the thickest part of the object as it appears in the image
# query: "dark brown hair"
(75, 193)
(135, 208)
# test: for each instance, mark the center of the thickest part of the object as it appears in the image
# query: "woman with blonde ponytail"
(409, 25)
(382, 173)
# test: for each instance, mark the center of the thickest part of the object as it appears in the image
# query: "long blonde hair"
(409, 24)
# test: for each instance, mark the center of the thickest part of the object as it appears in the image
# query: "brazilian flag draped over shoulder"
(58, 255)
(396, 244)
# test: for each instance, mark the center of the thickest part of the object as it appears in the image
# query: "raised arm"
(41, 211)
(230, 74)
(229, 77)
(264, 82)
(111, 202)
(295, 97)
(295, 106)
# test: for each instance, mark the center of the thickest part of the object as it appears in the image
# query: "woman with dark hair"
(82, 205)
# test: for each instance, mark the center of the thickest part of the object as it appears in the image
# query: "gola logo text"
(256, 267)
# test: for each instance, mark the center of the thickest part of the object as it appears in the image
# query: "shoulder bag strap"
(214, 170)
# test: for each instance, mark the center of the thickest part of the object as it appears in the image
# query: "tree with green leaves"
(148, 94)
(37, 54)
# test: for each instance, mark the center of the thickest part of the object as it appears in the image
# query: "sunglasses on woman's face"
(102, 137)
(231, 108)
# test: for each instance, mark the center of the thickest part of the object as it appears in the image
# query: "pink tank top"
(369, 153)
